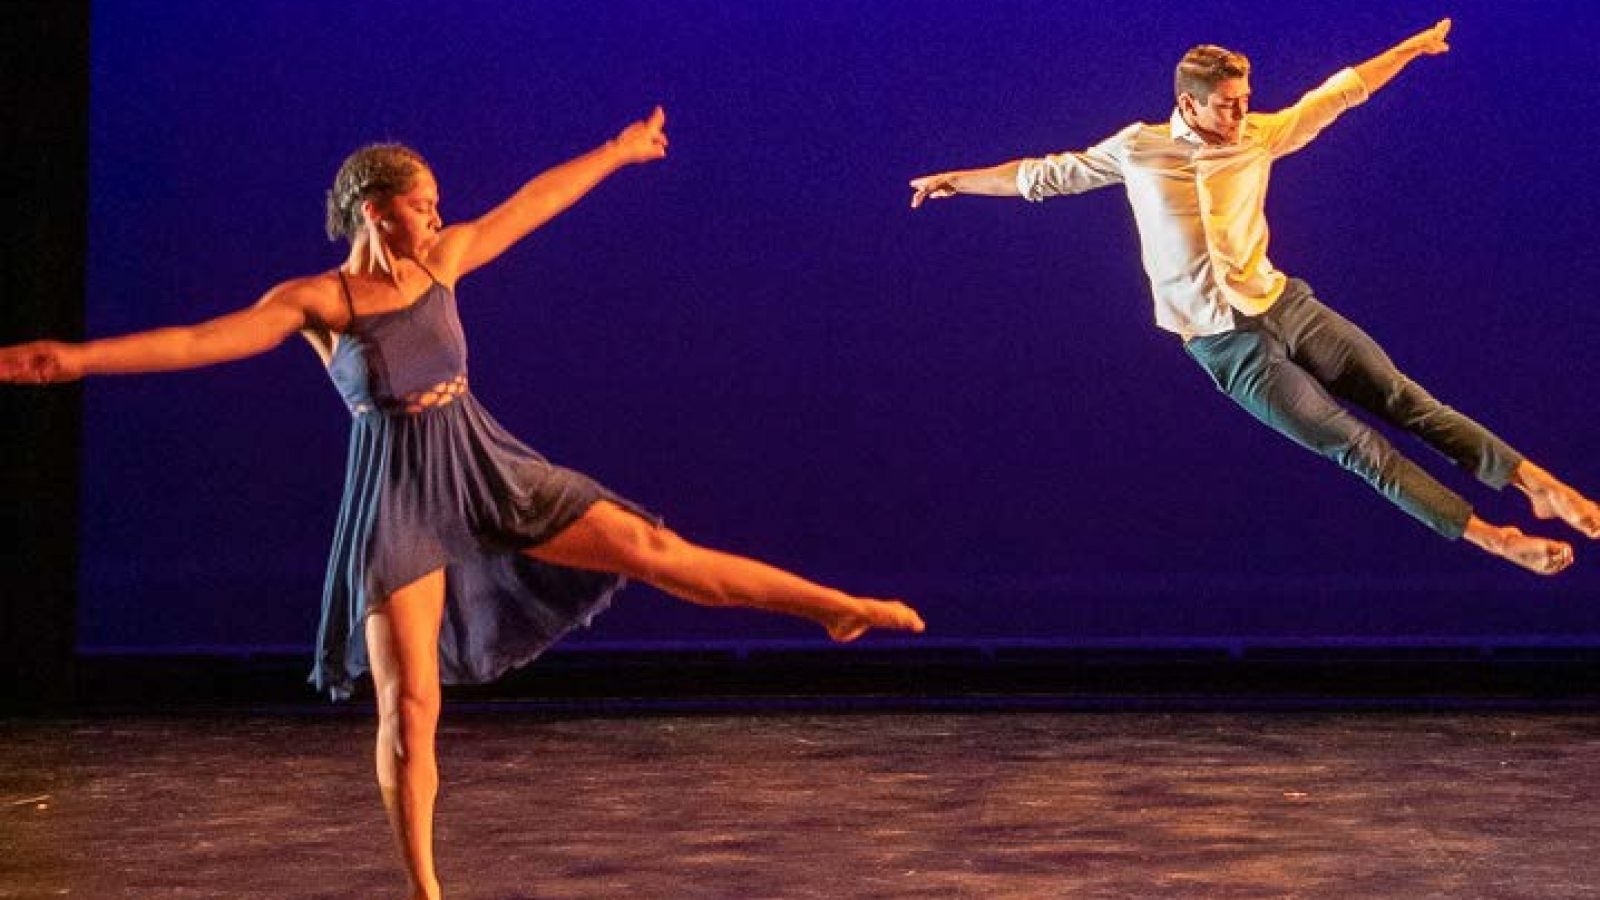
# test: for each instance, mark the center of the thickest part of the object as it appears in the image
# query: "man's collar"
(1181, 130)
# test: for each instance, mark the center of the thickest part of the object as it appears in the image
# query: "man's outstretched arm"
(1379, 70)
(1284, 133)
(1032, 179)
(995, 181)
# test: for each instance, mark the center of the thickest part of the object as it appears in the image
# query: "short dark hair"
(375, 172)
(1206, 66)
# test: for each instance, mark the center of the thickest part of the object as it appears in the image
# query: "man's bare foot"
(1554, 499)
(1536, 554)
(874, 614)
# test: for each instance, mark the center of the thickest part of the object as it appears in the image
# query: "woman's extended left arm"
(281, 312)
(465, 247)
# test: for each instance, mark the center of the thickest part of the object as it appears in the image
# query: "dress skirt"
(449, 488)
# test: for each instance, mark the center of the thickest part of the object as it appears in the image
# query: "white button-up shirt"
(1201, 210)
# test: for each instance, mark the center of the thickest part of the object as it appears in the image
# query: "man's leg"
(1252, 367)
(1353, 366)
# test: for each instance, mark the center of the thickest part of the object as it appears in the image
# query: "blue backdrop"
(967, 405)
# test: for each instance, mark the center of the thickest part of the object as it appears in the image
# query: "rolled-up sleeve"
(1287, 131)
(1074, 172)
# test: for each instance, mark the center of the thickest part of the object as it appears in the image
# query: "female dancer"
(459, 553)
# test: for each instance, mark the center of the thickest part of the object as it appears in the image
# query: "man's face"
(1220, 119)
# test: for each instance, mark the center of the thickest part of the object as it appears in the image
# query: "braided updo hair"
(376, 172)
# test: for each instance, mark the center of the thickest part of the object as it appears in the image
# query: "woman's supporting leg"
(608, 538)
(403, 647)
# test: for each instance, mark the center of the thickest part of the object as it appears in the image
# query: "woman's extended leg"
(609, 538)
(403, 647)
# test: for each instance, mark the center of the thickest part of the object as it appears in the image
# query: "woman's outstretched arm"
(465, 247)
(283, 311)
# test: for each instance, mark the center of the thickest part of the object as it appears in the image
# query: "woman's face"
(409, 223)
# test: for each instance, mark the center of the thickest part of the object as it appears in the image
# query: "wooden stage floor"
(816, 803)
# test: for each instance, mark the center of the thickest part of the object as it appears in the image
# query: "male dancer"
(1198, 186)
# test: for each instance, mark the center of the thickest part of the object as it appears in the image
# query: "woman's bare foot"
(429, 891)
(1554, 499)
(1536, 554)
(873, 614)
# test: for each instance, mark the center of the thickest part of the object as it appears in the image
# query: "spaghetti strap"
(349, 301)
(429, 271)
